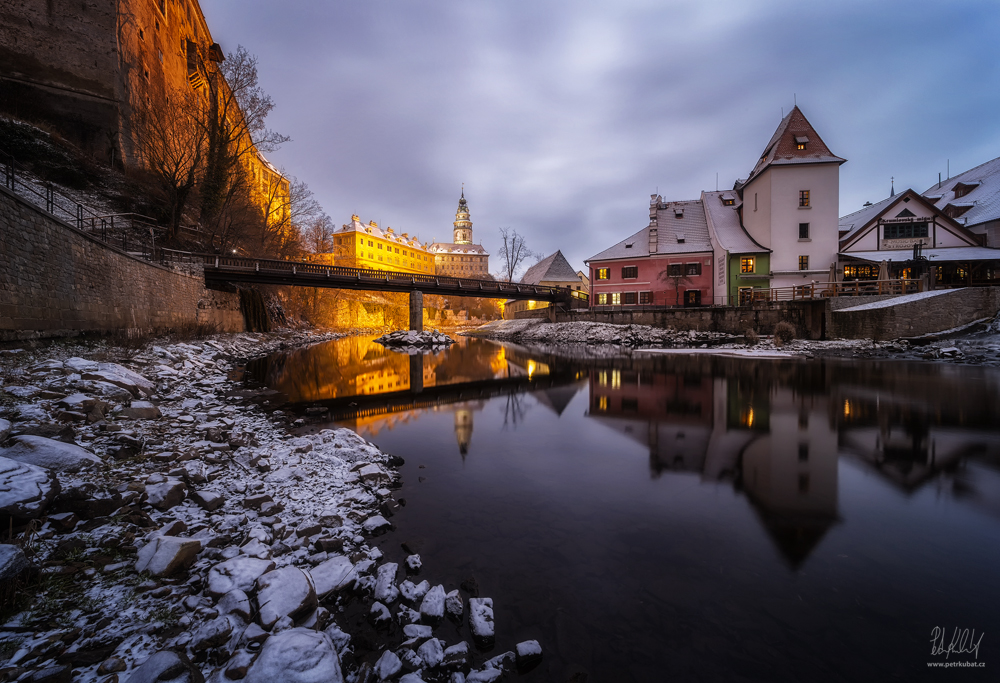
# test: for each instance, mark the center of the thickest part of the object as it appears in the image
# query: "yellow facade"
(357, 245)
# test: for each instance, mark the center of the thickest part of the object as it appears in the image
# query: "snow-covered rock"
(120, 376)
(431, 652)
(25, 490)
(432, 606)
(284, 592)
(166, 494)
(413, 564)
(456, 656)
(481, 618)
(4, 429)
(141, 410)
(385, 583)
(528, 652)
(335, 573)
(453, 605)
(12, 561)
(50, 454)
(412, 338)
(297, 655)
(388, 665)
(376, 523)
(412, 592)
(236, 602)
(239, 572)
(165, 555)
(166, 665)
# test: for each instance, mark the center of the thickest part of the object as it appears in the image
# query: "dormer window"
(728, 202)
(680, 238)
(628, 246)
(801, 141)
(962, 189)
(678, 213)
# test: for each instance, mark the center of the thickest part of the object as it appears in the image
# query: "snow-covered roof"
(451, 248)
(940, 255)
(782, 148)
(852, 222)
(983, 193)
(681, 229)
(553, 268)
(725, 222)
(372, 229)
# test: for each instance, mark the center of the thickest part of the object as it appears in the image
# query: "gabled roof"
(675, 221)
(782, 148)
(724, 221)
(553, 268)
(983, 192)
(452, 248)
(372, 229)
(863, 221)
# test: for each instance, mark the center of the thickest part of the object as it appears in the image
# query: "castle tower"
(463, 226)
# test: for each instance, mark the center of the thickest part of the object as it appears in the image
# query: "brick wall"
(946, 311)
(57, 281)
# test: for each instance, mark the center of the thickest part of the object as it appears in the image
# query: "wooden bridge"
(223, 270)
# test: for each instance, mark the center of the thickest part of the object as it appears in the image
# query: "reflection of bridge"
(222, 270)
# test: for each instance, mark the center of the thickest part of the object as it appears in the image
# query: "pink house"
(667, 263)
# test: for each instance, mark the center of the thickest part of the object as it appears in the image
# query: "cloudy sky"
(562, 116)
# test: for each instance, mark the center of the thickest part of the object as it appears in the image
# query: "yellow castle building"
(357, 245)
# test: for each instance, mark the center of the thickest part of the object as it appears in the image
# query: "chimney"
(652, 237)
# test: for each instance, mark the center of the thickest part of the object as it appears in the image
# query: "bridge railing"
(467, 286)
(823, 290)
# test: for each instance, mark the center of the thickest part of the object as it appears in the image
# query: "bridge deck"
(225, 269)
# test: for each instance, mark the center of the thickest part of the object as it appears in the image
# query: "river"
(651, 518)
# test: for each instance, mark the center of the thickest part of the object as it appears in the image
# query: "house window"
(803, 198)
(602, 299)
(693, 268)
(803, 263)
(645, 298)
(803, 231)
(369, 243)
(692, 297)
(616, 299)
(630, 298)
(380, 245)
(675, 270)
(904, 231)
(746, 264)
(728, 202)
(630, 272)
(603, 273)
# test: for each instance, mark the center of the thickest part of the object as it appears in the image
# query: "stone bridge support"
(417, 311)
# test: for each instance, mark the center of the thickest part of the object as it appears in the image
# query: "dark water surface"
(656, 518)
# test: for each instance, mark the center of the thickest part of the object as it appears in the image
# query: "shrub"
(784, 332)
(751, 336)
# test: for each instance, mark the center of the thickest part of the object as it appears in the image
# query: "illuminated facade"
(461, 258)
(357, 245)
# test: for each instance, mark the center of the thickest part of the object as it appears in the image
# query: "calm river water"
(687, 518)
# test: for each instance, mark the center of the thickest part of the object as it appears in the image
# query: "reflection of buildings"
(463, 429)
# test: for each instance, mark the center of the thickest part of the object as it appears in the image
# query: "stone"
(456, 656)
(25, 490)
(208, 500)
(166, 555)
(285, 592)
(410, 659)
(4, 429)
(212, 634)
(236, 602)
(412, 592)
(411, 678)
(318, 620)
(332, 575)
(413, 564)
(237, 573)
(340, 639)
(418, 631)
(50, 454)
(307, 529)
(481, 618)
(254, 502)
(111, 665)
(432, 606)
(297, 655)
(141, 410)
(378, 523)
(387, 666)
(64, 521)
(370, 473)
(453, 605)
(166, 495)
(484, 676)
(379, 613)
(120, 376)
(431, 652)
(164, 666)
(528, 653)
(504, 661)
(238, 665)
(385, 583)
(12, 562)
(330, 518)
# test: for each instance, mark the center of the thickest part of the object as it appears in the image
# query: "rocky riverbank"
(160, 523)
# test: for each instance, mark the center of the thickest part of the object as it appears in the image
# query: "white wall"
(823, 183)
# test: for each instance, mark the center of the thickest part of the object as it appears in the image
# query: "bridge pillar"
(417, 311)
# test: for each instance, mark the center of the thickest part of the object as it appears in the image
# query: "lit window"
(803, 263)
(801, 141)
(630, 272)
(746, 264)
(616, 299)
(602, 299)
(803, 231)
(803, 198)
(728, 202)
(693, 268)
(603, 273)
(602, 403)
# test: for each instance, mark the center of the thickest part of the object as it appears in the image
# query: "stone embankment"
(165, 528)
(415, 342)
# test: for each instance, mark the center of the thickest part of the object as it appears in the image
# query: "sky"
(562, 117)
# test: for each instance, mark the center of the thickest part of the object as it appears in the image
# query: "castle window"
(803, 231)
(630, 272)
(746, 264)
(803, 263)
(803, 198)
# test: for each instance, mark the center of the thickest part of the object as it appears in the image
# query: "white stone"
(484, 676)
(333, 574)
(167, 494)
(141, 410)
(432, 606)
(413, 592)
(481, 618)
(50, 454)
(165, 555)
(4, 429)
(297, 655)
(12, 561)
(453, 605)
(25, 490)
(418, 631)
(528, 652)
(379, 613)
(284, 592)
(236, 602)
(413, 563)
(385, 583)
(388, 665)
(376, 523)
(239, 572)
(456, 655)
(431, 652)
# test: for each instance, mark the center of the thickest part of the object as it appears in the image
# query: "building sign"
(904, 243)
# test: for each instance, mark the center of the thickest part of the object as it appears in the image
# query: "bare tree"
(675, 273)
(513, 252)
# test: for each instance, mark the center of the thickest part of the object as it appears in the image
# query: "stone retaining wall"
(58, 281)
(934, 314)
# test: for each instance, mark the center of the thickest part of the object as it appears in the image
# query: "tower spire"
(462, 224)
